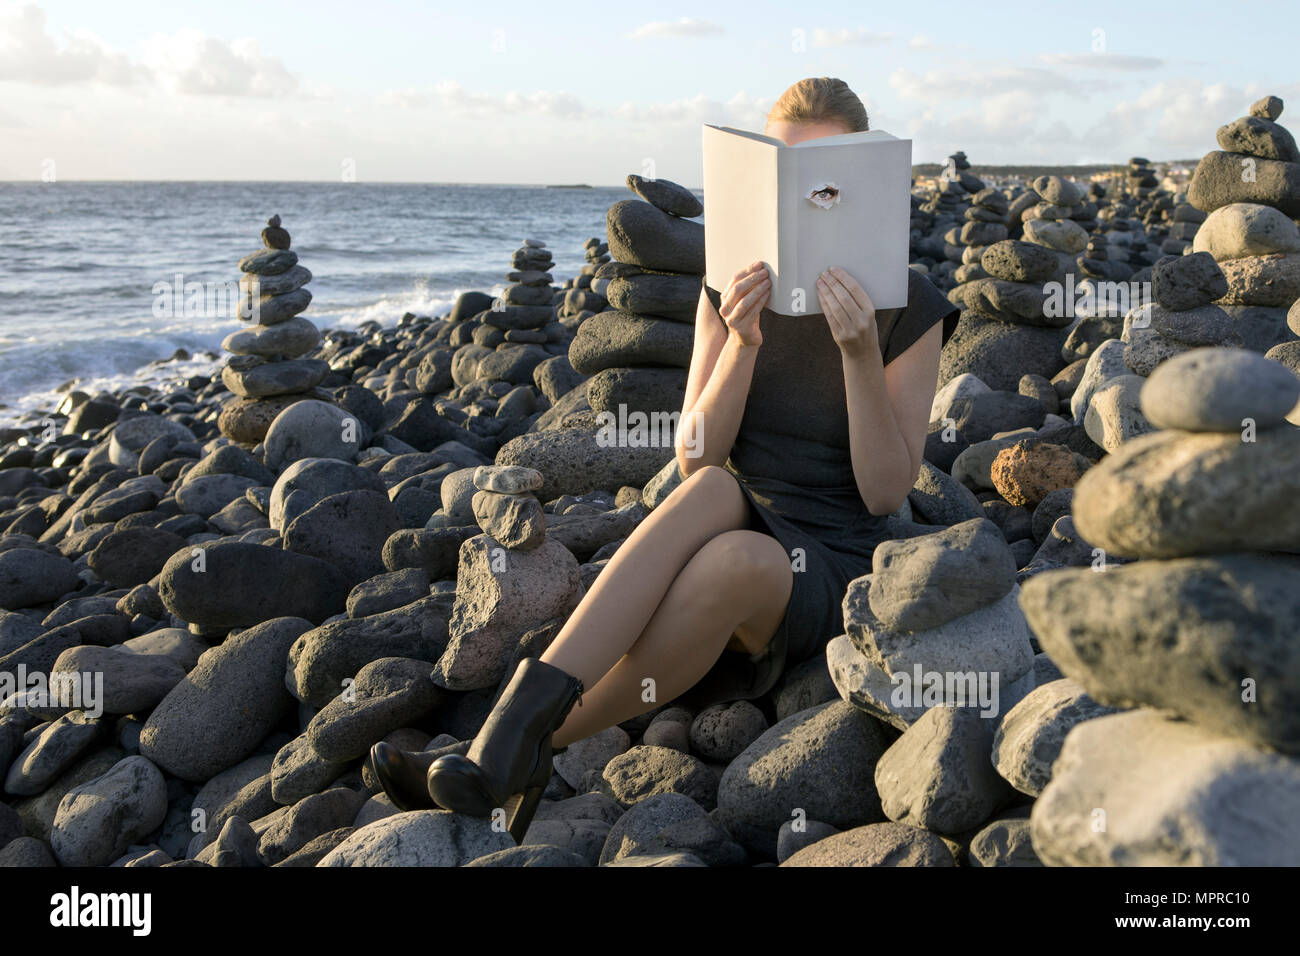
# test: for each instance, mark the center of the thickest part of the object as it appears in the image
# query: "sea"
(100, 282)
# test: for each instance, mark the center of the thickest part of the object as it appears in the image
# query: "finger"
(830, 306)
(855, 289)
(841, 295)
(740, 289)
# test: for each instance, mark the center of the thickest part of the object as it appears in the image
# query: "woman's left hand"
(848, 311)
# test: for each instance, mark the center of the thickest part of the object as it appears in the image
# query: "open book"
(836, 201)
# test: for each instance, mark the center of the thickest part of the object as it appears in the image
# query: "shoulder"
(926, 306)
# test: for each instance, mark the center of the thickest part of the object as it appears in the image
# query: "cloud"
(1174, 118)
(190, 62)
(1103, 61)
(741, 110)
(685, 27)
(938, 86)
(451, 97)
(921, 42)
(28, 54)
(849, 37)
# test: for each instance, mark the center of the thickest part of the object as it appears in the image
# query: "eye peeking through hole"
(824, 195)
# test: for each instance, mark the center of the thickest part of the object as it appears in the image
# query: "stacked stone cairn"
(1197, 642)
(1250, 189)
(268, 373)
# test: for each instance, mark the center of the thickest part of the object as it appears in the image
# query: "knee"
(742, 561)
(711, 479)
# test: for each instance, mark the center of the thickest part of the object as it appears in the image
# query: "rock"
(1063, 235)
(1030, 736)
(938, 776)
(506, 480)
(222, 710)
(648, 237)
(1238, 230)
(1005, 842)
(722, 731)
(419, 838)
(268, 262)
(323, 658)
(1188, 282)
(348, 530)
(1027, 472)
(1175, 493)
(1206, 325)
(311, 480)
(920, 583)
(797, 834)
(501, 594)
(313, 429)
(387, 693)
(982, 416)
(513, 520)
(1172, 794)
(131, 435)
(98, 820)
(131, 683)
(1219, 389)
(670, 823)
(299, 771)
(876, 844)
(206, 495)
(293, 337)
(1016, 261)
(248, 377)
(1218, 181)
(248, 420)
(29, 577)
(386, 592)
(310, 818)
(1258, 136)
(614, 339)
(1196, 636)
(671, 198)
(52, 749)
(1272, 280)
(579, 460)
(1114, 415)
(641, 772)
(233, 584)
(235, 846)
(1267, 107)
(820, 761)
(940, 499)
(999, 353)
(1106, 363)
(591, 754)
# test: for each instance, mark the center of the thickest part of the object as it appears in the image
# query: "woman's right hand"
(742, 302)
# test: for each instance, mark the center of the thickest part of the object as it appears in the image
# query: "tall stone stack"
(1197, 635)
(585, 293)
(267, 372)
(637, 352)
(1052, 222)
(1141, 178)
(1250, 189)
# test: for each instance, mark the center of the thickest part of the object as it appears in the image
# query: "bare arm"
(888, 407)
(722, 365)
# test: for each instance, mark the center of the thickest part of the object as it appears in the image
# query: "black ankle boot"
(509, 764)
(403, 773)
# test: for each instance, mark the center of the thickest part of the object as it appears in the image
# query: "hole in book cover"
(824, 195)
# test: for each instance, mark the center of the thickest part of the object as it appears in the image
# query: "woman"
(809, 431)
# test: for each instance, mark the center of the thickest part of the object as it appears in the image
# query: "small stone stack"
(506, 508)
(1142, 181)
(1250, 189)
(267, 373)
(1201, 627)
(1052, 223)
(1186, 222)
(986, 223)
(585, 293)
(519, 332)
(1183, 315)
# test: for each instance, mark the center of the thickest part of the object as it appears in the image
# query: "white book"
(835, 201)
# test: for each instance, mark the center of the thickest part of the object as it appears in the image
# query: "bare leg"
(620, 603)
(738, 583)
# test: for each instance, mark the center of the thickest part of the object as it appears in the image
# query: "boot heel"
(529, 801)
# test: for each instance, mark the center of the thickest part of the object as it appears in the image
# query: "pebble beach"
(221, 589)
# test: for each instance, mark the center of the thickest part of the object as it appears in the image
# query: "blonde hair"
(819, 99)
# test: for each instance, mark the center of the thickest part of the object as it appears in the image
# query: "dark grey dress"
(793, 462)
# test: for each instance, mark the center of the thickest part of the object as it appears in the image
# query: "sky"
(528, 92)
